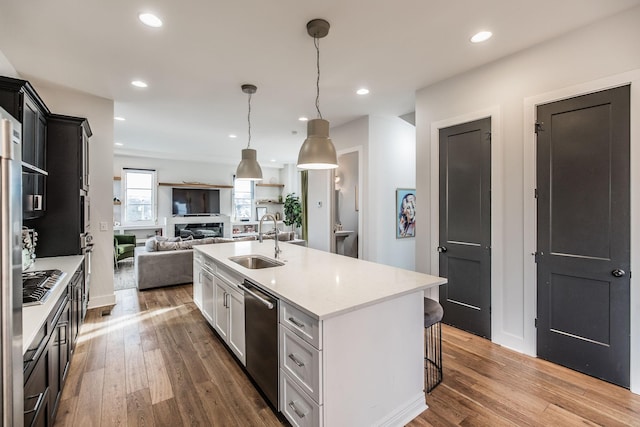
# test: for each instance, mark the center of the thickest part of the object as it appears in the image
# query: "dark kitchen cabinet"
(66, 220)
(76, 289)
(59, 354)
(21, 100)
(47, 361)
(36, 394)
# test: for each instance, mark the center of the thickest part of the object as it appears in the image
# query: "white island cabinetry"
(351, 344)
(229, 311)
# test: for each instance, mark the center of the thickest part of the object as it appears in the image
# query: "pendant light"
(249, 169)
(317, 151)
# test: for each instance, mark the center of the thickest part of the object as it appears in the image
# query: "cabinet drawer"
(297, 406)
(303, 325)
(301, 361)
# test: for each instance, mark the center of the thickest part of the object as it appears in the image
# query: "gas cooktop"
(37, 285)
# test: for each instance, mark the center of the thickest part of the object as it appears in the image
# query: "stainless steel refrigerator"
(11, 377)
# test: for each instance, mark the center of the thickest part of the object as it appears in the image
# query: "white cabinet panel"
(302, 362)
(297, 406)
(303, 325)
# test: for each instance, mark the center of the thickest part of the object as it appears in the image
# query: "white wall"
(388, 145)
(392, 165)
(603, 49)
(99, 112)
(319, 205)
(6, 69)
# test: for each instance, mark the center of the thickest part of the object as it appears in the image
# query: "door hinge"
(535, 193)
(538, 127)
(535, 322)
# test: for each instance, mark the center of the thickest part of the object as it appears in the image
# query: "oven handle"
(258, 297)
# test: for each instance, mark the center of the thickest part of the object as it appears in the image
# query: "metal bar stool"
(433, 313)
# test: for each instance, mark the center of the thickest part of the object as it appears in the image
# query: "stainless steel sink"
(255, 261)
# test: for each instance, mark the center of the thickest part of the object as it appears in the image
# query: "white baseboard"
(102, 301)
(402, 416)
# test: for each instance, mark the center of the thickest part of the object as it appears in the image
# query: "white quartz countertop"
(33, 317)
(322, 283)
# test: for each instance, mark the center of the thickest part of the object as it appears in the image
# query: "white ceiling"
(196, 63)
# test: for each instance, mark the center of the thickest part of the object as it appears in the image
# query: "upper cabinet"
(68, 155)
(20, 100)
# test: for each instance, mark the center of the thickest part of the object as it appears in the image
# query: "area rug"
(124, 275)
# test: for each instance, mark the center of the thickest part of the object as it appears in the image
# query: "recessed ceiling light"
(150, 19)
(118, 118)
(303, 119)
(119, 144)
(273, 160)
(232, 135)
(362, 91)
(481, 36)
(139, 83)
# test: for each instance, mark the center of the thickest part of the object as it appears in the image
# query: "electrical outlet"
(104, 226)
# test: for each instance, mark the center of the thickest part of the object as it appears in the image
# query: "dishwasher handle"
(269, 304)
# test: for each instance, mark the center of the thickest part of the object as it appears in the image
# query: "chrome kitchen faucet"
(275, 225)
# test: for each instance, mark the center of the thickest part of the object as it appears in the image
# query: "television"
(195, 201)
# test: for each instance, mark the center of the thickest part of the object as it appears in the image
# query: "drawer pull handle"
(295, 360)
(292, 404)
(38, 402)
(295, 322)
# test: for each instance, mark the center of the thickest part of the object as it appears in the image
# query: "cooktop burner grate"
(37, 285)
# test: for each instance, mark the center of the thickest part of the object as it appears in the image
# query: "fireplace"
(200, 230)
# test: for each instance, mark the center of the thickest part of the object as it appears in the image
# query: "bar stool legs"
(433, 313)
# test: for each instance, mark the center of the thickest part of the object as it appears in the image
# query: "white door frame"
(496, 209)
(530, 220)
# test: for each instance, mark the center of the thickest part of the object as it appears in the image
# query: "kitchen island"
(351, 343)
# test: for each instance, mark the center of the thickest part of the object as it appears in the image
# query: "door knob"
(442, 249)
(618, 273)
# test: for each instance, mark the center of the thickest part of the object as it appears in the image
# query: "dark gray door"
(583, 234)
(465, 226)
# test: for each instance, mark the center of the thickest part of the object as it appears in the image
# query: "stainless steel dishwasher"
(261, 339)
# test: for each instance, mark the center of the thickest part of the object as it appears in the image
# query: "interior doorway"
(347, 223)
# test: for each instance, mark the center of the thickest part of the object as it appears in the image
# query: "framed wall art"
(405, 213)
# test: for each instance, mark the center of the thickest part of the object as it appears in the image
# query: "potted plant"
(292, 211)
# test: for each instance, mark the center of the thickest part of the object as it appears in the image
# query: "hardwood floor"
(155, 362)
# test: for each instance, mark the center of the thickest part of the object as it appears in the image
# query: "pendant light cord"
(249, 121)
(316, 42)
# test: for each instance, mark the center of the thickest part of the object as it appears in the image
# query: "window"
(139, 196)
(242, 198)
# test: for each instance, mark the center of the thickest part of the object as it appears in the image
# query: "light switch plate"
(104, 226)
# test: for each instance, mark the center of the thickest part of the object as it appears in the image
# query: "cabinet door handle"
(38, 402)
(296, 360)
(295, 322)
(66, 332)
(292, 405)
(37, 202)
